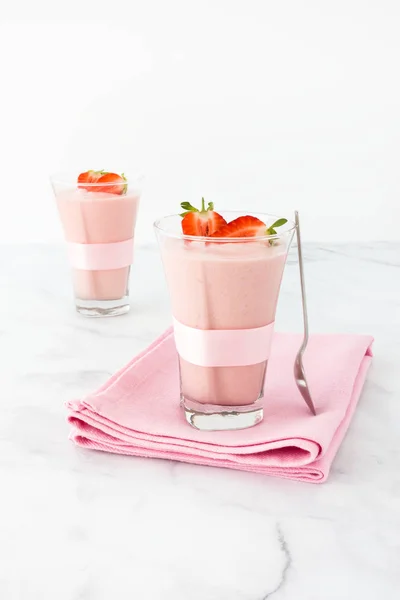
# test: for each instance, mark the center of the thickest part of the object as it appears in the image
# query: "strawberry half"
(202, 222)
(242, 227)
(89, 177)
(247, 226)
(120, 184)
(102, 177)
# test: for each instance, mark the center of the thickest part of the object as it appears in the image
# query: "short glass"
(99, 227)
(224, 295)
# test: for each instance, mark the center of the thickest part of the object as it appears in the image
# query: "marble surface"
(81, 525)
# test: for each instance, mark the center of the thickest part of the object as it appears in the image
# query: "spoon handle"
(302, 280)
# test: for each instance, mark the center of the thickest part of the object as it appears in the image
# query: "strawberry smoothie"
(225, 285)
(94, 218)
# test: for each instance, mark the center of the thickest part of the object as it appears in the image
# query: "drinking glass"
(99, 226)
(224, 294)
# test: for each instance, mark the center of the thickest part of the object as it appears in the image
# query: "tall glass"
(99, 228)
(224, 293)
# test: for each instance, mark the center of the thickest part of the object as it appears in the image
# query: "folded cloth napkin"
(137, 412)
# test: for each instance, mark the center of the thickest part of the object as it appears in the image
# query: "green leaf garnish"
(271, 229)
(279, 223)
(125, 188)
(188, 208)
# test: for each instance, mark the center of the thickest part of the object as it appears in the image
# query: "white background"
(264, 105)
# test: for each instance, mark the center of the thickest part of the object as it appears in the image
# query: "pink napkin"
(137, 411)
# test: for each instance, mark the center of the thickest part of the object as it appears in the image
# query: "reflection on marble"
(79, 525)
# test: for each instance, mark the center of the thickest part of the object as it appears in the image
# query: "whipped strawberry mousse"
(99, 209)
(227, 280)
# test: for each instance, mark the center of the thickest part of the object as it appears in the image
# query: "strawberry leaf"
(125, 188)
(278, 223)
(188, 207)
(271, 229)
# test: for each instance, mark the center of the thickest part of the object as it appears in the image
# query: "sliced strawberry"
(248, 226)
(215, 222)
(202, 222)
(107, 180)
(89, 177)
(242, 227)
(193, 223)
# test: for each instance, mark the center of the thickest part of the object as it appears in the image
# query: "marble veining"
(80, 525)
(286, 567)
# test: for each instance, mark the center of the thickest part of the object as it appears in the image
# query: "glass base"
(215, 417)
(102, 308)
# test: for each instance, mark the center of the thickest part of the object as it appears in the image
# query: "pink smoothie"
(223, 286)
(95, 218)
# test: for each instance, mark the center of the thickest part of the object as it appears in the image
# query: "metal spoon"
(299, 373)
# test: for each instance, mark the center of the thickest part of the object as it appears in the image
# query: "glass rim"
(69, 178)
(201, 238)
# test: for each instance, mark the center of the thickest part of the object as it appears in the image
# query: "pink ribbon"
(100, 257)
(223, 347)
